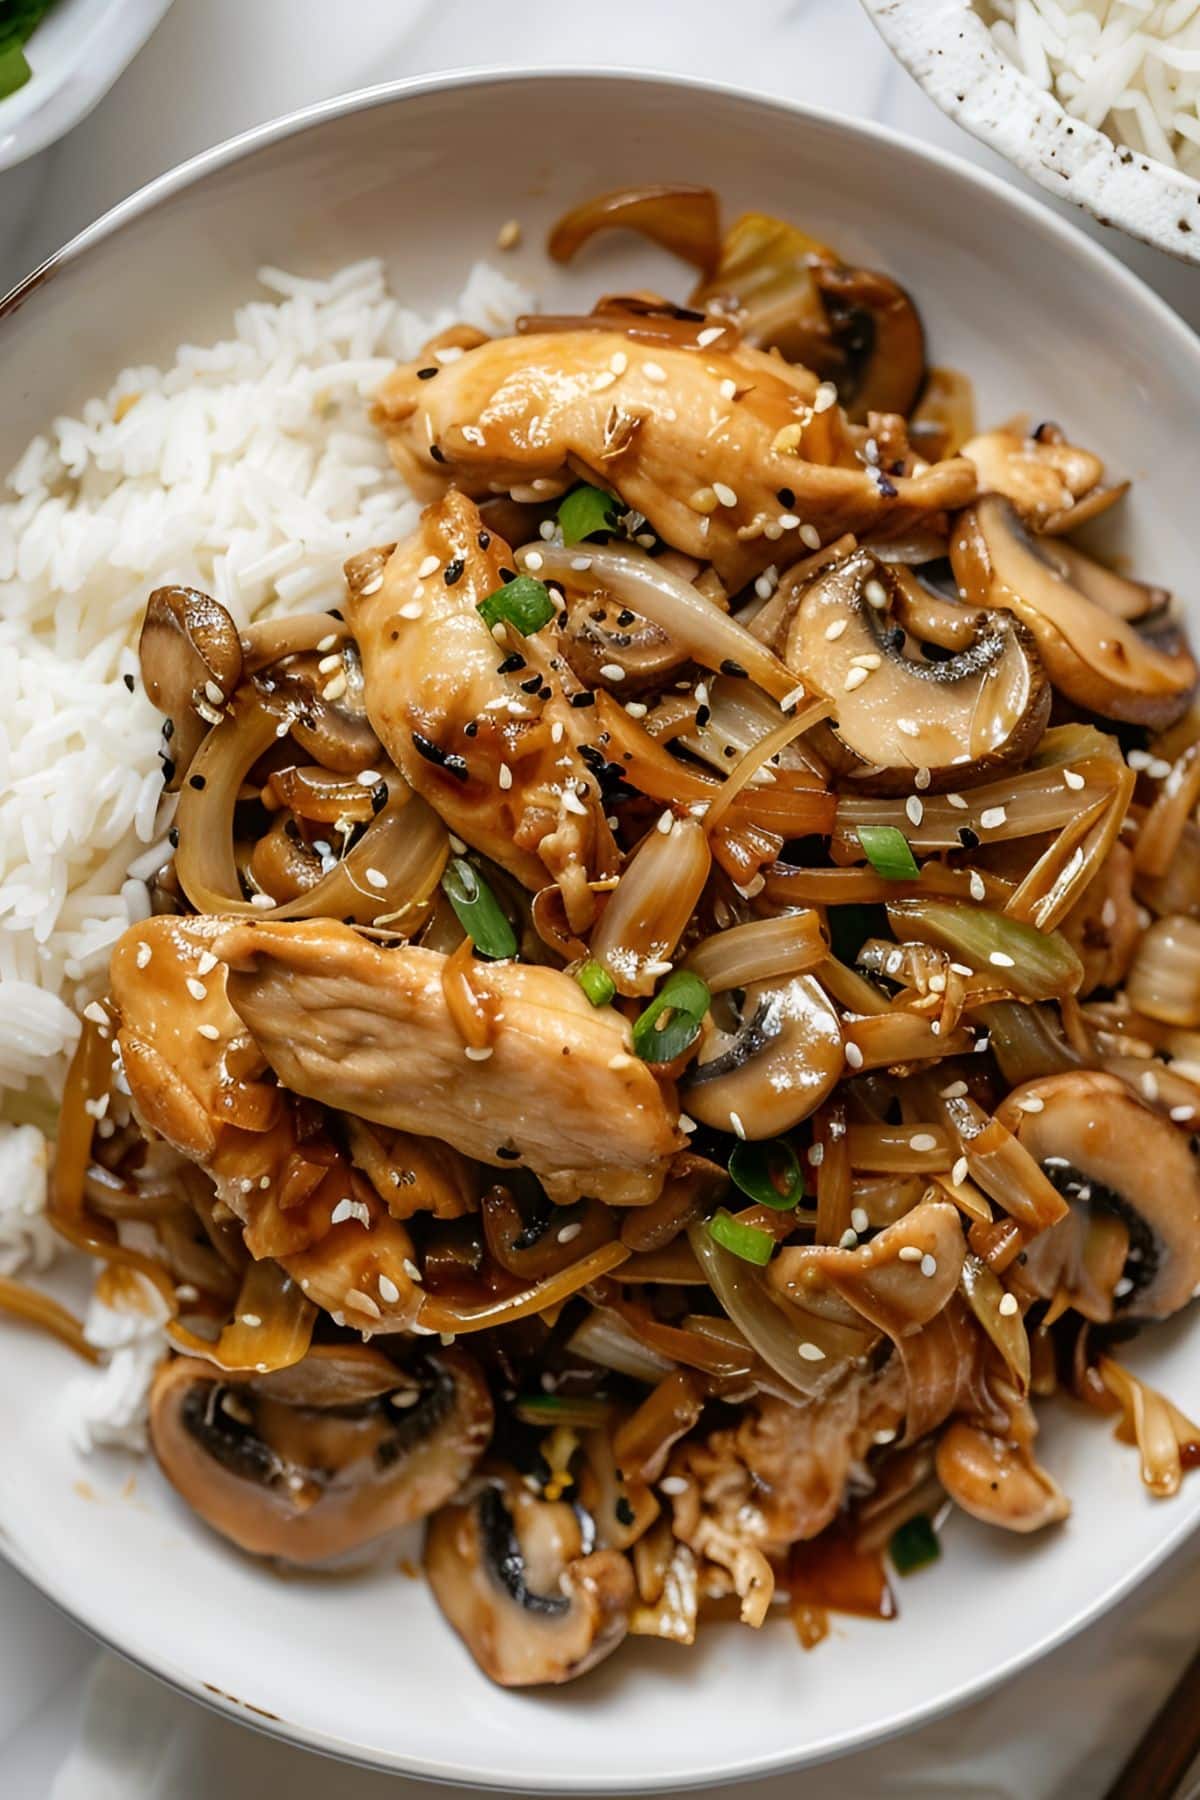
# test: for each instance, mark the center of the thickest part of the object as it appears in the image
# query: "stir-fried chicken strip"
(675, 431)
(481, 728)
(369, 1031)
(197, 1078)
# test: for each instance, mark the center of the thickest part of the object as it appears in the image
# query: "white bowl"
(424, 173)
(948, 48)
(76, 54)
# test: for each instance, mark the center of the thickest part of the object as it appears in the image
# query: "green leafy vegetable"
(583, 1411)
(914, 1545)
(768, 1173)
(888, 852)
(596, 983)
(586, 512)
(524, 603)
(18, 21)
(478, 910)
(681, 1001)
(747, 1241)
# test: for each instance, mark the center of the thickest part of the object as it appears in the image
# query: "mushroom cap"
(314, 1483)
(959, 717)
(511, 1574)
(775, 1068)
(1102, 1148)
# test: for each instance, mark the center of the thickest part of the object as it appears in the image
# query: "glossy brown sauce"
(829, 1574)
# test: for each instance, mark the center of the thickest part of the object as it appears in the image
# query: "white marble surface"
(216, 67)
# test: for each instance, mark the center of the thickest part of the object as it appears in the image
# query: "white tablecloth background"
(76, 1725)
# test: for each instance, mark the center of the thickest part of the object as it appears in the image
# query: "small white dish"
(948, 48)
(425, 173)
(76, 53)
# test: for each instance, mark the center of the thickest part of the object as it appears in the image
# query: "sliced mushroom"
(898, 1281)
(603, 634)
(334, 730)
(1094, 656)
(997, 1481)
(191, 657)
(879, 331)
(959, 718)
(315, 1481)
(774, 1067)
(514, 1576)
(1107, 1153)
(1054, 485)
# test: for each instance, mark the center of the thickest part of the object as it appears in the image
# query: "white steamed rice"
(249, 469)
(1129, 67)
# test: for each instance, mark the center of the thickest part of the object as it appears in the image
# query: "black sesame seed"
(442, 759)
(197, 782)
(439, 456)
(335, 614)
(583, 699)
(546, 693)
(532, 685)
(426, 374)
(471, 730)
(785, 497)
(484, 539)
(886, 487)
(729, 750)
(967, 838)
(379, 797)
(507, 575)
(510, 664)
(168, 768)
(453, 571)
(625, 617)
(703, 715)
(128, 680)
(507, 1154)
(173, 837)
(168, 729)
(729, 667)
(625, 1513)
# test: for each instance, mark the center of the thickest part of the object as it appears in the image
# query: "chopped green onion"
(523, 603)
(685, 998)
(1036, 965)
(596, 983)
(914, 1545)
(768, 1173)
(478, 910)
(14, 69)
(747, 1241)
(587, 511)
(888, 852)
(584, 1411)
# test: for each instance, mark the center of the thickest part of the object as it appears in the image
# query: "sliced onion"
(1155, 1424)
(1163, 827)
(651, 905)
(983, 1293)
(32, 1308)
(1025, 1042)
(903, 1037)
(271, 1328)
(440, 1316)
(788, 885)
(1037, 965)
(1003, 1168)
(693, 622)
(604, 1339)
(763, 950)
(683, 219)
(889, 1149)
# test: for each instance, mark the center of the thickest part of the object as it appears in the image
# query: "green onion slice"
(682, 1000)
(14, 69)
(888, 852)
(587, 511)
(523, 603)
(583, 1411)
(596, 983)
(747, 1241)
(914, 1545)
(768, 1173)
(478, 910)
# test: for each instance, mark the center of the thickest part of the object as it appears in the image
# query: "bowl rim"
(947, 48)
(1037, 219)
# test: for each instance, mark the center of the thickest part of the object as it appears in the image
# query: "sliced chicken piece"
(676, 431)
(368, 1031)
(198, 1079)
(461, 713)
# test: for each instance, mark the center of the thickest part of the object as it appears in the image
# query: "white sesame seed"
(790, 700)
(569, 1233)
(1074, 780)
(855, 679)
(534, 560)
(368, 778)
(977, 885)
(213, 694)
(143, 954)
(1181, 1114)
(654, 372)
(709, 335)
(196, 989)
(922, 1140)
(637, 709)
(328, 664)
(886, 1435)
(619, 1061)
(612, 672)
(618, 362)
(327, 642)
(992, 817)
(866, 659)
(928, 1265)
(1009, 1304)
(908, 728)
(914, 806)
(834, 630)
(95, 1012)
(875, 594)
(961, 969)
(922, 778)
(959, 1172)
(572, 803)
(736, 1122)
(264, 902)
(333, 690)
(96, 1109)
(429, 566)
(376, 878)
(811, 1352)
(505, 777)
(728, 388)
(410, 1269)
(209, 1031)
(909, 1253)
(665, 822)
(825, 397)
(1001, 959)
(859, 1219)
(582, 563)
(341, 1212)
(957, 801)
(810, 537)
(388, 1290)
(854, 1056)
(1123, 1287)
(556, 732)
(1149, 1085)
(789, 521)
(474, 1054)
(816, 1155)
(672, 1484)
(724, 493)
